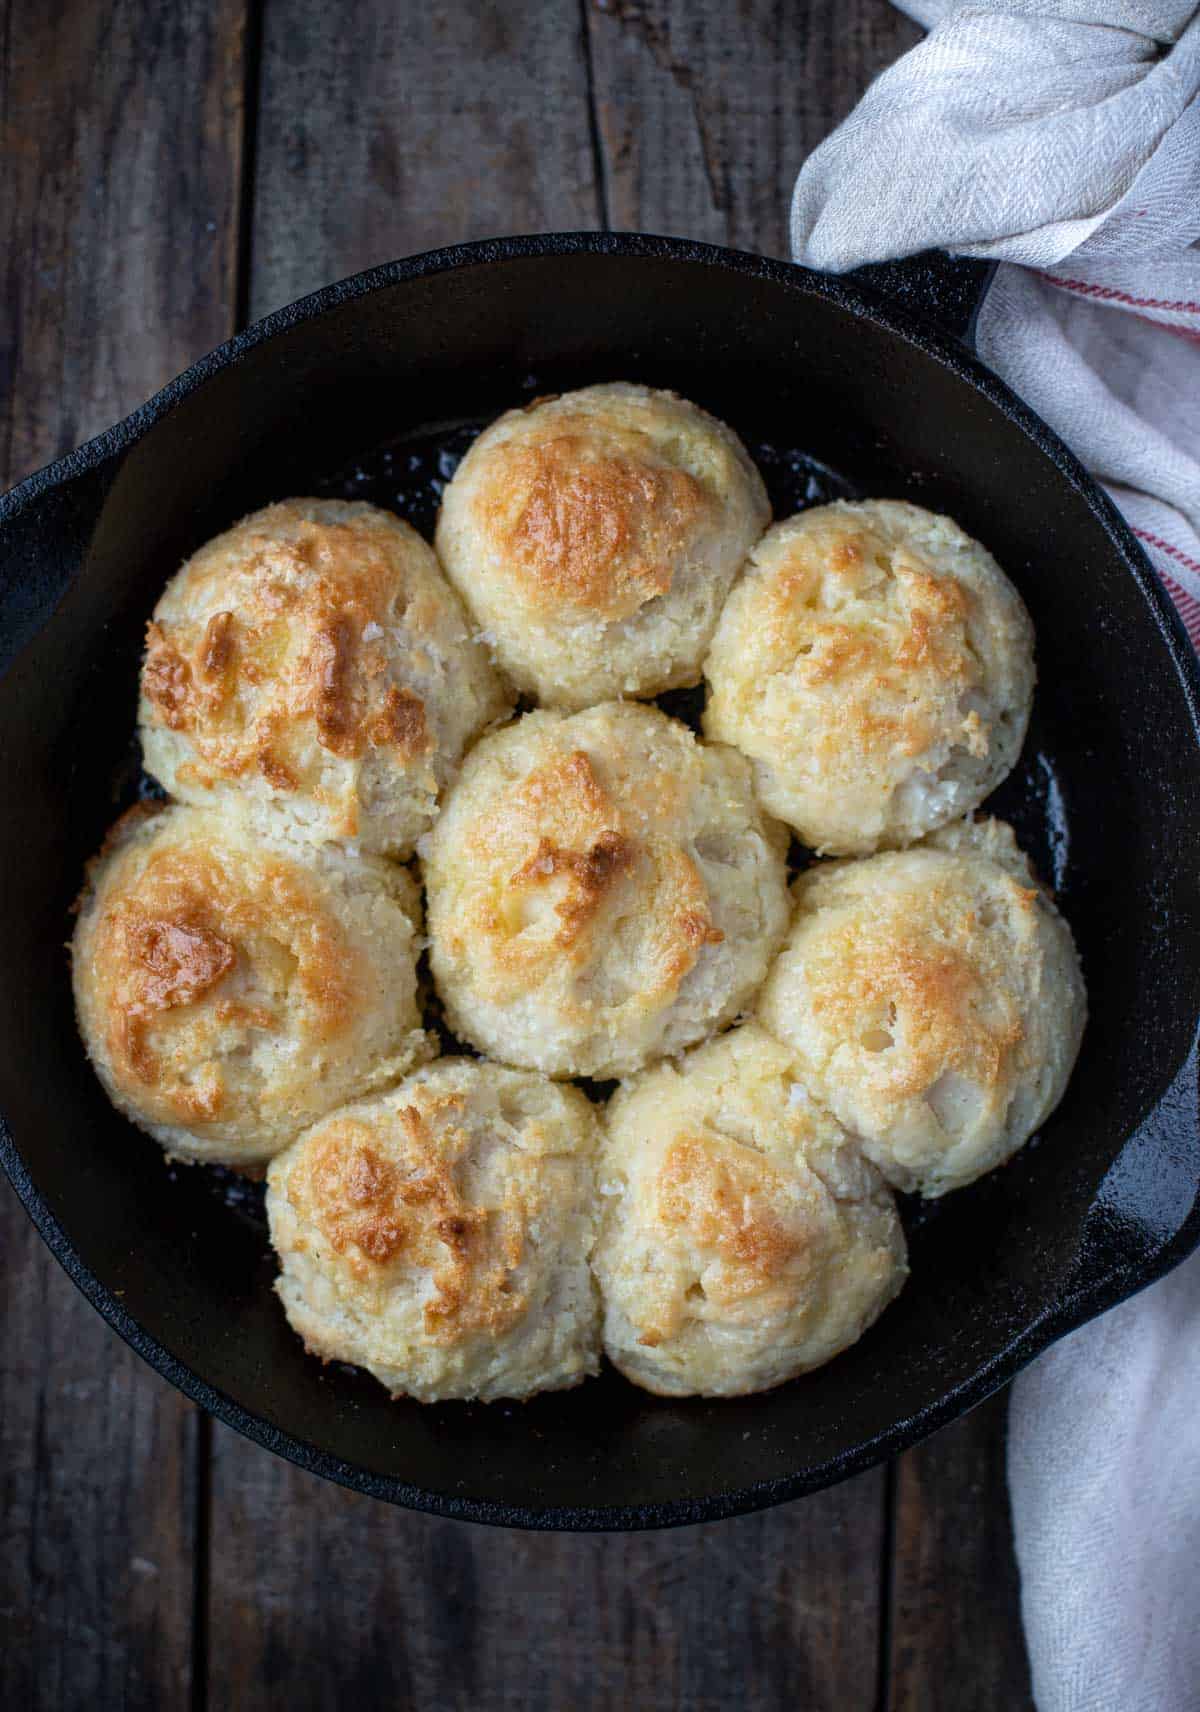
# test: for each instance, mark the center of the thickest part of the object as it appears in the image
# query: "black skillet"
(372, 387)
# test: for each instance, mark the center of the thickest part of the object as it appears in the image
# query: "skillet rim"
(1090, 1296)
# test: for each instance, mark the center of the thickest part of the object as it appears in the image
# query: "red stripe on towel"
(1188, 609)
(1109, 294)
(1169, 548)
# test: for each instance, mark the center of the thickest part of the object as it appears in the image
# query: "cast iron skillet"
(838, 389)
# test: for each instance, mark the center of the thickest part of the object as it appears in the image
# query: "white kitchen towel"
(1063, 140)
(1104, 1476)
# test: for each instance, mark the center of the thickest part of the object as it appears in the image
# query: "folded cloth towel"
(1066, 138)
(1104, 1476)
(1063, 140)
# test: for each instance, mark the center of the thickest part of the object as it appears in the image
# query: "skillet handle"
(948, 290)
(1145, 1217)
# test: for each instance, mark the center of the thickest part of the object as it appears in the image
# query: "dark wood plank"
(121, 139)
(120, 136)
(707, 110)
(97, 1494)
(385, 130)
(323, 1598)
(956, 1638)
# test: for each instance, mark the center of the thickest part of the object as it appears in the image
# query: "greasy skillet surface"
(1108, 798)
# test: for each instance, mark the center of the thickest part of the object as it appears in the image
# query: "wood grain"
(120, 136)
(706, 110)
(97, 1492)
(321, 1598)
(384, 130)
(956, 1638)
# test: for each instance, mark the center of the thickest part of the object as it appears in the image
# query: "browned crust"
(173, 963)
(377, 1211)
(589, 525)
(217, 645)
(167, 680)
(172, 930)
(560, 844)
(400, 721)
(329, 671)
(300, 650)
(718, 1197)
(276, 772)
(593, 874)
(939, 978)
(876, 667)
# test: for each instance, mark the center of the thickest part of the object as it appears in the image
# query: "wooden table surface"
(170, 169)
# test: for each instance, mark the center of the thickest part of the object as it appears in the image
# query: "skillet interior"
(1107, 799)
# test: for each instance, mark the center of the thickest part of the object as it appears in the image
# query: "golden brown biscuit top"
(554, 864)
(393, 1194)
(852, 610)
(730, 1206)
(588, 515)
(196, 948)
(271, 647)
(919, 976)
